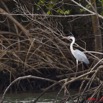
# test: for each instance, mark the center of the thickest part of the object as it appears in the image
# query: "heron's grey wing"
(80, 56)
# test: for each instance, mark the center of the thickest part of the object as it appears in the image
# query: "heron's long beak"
(65, 37)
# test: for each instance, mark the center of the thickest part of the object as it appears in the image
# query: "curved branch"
(21, 78)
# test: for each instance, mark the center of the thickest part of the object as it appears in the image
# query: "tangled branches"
(29, 43)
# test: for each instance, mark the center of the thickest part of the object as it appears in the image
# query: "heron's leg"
(82, 66)
(76, 67)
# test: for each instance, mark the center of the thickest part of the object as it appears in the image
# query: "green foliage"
(101, 1)
(61, 7)
(49, 12)
(87, 6)
(60, 11)
(41, 2)
(50, 7)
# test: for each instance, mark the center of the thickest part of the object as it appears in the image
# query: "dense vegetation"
(31, 43)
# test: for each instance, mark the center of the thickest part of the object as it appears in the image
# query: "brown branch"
(74, 1)
(3, 12)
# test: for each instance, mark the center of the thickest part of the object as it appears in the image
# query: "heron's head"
(69, 37)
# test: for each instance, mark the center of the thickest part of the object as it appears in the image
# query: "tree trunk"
(96, 30)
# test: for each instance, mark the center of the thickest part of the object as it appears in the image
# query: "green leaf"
(67, 12)
(49, 12)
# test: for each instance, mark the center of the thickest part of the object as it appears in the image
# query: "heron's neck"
(71, 45)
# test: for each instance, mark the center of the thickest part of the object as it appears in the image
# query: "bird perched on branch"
(78, 55)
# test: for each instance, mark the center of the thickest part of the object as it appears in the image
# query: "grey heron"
(78, 55)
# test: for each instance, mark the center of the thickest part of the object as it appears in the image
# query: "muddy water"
(30, 97)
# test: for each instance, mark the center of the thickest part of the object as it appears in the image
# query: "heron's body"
(80, 56)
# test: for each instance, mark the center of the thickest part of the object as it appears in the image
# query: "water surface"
(30, 97)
